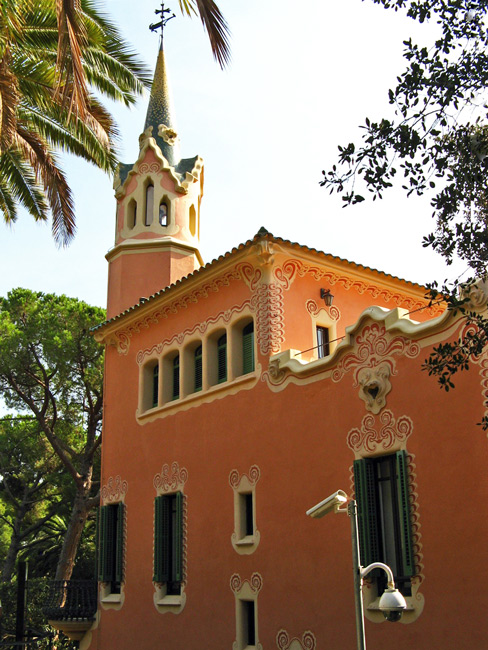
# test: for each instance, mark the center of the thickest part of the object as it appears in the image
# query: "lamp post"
(392, 603)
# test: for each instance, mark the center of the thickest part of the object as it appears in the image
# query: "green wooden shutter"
(155, 385)
(165, 539)
(222, 359)
(248, 349)
(106, 545)
(158, 539)
(178, 533)
(119, 543)
(176, 377)
(365, 485)
(198, 368)
(408, 558)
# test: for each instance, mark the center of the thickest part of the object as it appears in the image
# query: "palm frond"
(55, 184)
(18, 182)
(214, 24)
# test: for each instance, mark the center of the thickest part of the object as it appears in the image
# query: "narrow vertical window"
(193, 220)
(246, 514)
(323, 346)
(248, 623)
(155, 391)
(168, 542)
(163, 213)
(222, 359)
(131, 214)
(248, 349)
(148, 217)
(176, 377)
(198, 368)
(111, 546)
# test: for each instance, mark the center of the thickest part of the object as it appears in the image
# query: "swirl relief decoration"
(170, 479)
(307, 642)
(114, 491)
(391, 436)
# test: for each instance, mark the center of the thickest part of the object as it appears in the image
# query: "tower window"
(248, 349)
(246, 514)
(323, 345)
(198, 368)
(132, 214)
(163, 213)
(148, 219)
(193, 220)
(222, 359)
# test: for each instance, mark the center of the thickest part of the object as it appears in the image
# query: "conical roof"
(160, 112)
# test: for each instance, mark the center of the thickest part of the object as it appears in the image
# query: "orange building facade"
(236, 399)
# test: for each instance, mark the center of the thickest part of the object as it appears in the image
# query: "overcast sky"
(303, 77)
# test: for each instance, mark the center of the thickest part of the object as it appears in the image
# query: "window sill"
(249, 540)
(112, 598)
(216, 391)
(170, 601)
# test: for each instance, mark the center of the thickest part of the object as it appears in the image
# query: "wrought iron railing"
(70, 600)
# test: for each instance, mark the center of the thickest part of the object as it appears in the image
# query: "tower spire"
(160, 112)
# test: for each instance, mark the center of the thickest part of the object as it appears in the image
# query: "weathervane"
(164, 19)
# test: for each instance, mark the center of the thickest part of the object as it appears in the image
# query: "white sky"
(303, 77)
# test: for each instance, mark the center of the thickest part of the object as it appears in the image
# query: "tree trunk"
(14, 546)
(72, 537)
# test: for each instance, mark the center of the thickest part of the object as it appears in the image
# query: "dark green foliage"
(436, 145)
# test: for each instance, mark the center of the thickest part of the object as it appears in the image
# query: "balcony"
(71, 606)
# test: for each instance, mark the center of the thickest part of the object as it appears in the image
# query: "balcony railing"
(71, 600)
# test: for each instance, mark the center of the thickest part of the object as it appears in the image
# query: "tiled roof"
(262, 232)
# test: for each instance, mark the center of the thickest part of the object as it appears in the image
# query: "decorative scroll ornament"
(114, 491)
(145, 168)
(267, 302)
(477, 295)
(313, 309)
(168, 134)
(255, 584)
(252, 476)
(170, 480)
(307, 642)
(392, 436)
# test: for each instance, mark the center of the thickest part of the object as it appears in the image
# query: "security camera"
(331, 504)
(392, 604)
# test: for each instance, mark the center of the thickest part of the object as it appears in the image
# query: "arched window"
(176, 377)
(198, 368)
(222, 359)
(163, 213)
(193, 220)
(131, 214)
(148, 219)
(155, 391)
(248, 349)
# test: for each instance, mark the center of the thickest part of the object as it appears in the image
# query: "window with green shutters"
(168, 541)
(385, 535)
(155, 391)
(198, 368)
(176, 377)
(222, 359)
(110, 556)
(248, 349)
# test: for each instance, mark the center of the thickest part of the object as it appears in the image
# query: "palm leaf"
(18, 182)
(215, 25)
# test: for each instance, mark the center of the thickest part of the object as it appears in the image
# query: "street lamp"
(392, 603)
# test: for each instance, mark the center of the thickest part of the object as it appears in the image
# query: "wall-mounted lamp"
(327, 297)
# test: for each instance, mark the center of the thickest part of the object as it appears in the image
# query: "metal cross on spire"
(164, 19)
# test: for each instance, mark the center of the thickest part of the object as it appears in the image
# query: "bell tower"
(158, 205)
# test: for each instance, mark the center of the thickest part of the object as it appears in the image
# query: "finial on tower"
(164, 20)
